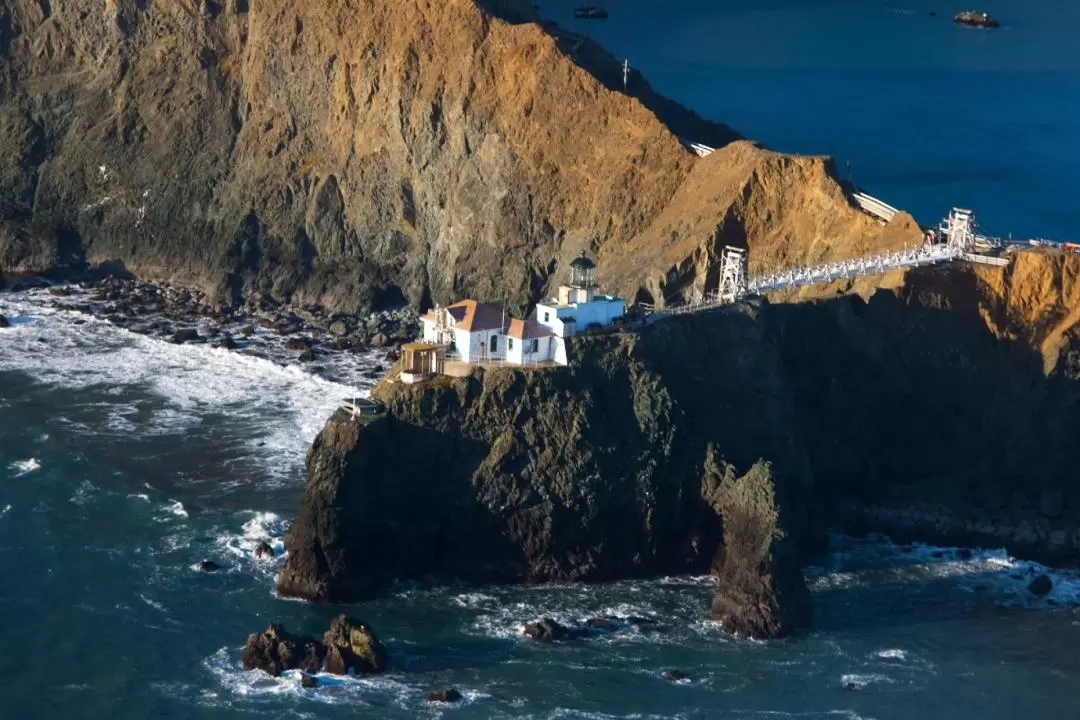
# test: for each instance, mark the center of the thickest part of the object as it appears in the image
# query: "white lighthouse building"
(577, 307)
(472, 332)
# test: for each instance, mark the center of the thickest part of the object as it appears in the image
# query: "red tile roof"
(524, 330)
(474, 316)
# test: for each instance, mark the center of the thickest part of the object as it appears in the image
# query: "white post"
(732, 274)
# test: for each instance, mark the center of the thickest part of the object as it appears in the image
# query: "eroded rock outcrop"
(352, 646)
(372, 154)
(275, 650)
(760, 590)
(349, 646)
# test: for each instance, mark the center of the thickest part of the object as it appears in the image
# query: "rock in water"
(184, 336)
(449, 695)
(275, 651)
(308, 681)
(4, 322)
(677, 676)
(209, 566)
(264, 551)
(547, 630)
(352, 645)
(761, 592)
(1041, 586)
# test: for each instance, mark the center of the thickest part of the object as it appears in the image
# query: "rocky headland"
(940, 410)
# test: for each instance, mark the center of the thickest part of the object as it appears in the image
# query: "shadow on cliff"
(910, 398)
(906, 398)
(413, 514)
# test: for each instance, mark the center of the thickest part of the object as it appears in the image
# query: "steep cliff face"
(350, 153)
(593, 473)
(942, 410)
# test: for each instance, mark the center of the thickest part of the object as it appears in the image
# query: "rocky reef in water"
(947, 403)
(347, 646)
(353, 156)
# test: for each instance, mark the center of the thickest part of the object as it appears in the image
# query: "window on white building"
(535, 345)
(509, 343)
(494, 343)
(547, 316)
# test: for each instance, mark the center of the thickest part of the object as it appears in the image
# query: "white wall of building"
(522, 351)
(602, 311)
(476, 346)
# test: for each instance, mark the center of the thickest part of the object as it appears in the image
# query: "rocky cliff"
(941, 410)
(603, 471)
(350, 153)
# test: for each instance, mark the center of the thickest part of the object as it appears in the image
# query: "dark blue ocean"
(928, 114)
(125, 461)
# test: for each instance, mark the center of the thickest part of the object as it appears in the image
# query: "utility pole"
(625, 74)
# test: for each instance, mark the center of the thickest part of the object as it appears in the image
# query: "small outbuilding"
(421, 361)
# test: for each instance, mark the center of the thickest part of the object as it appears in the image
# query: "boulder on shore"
(275, 651)
(976, 19)
(351, 644)
(761, 592)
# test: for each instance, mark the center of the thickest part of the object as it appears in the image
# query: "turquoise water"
(930, 115)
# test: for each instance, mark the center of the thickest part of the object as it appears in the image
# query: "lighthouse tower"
(582, 286)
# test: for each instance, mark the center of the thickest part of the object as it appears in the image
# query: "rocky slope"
(352, 154)
(941, 410)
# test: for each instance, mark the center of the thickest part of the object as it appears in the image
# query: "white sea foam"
(861, 680)
(5, 510)
(331, 690)
(25, 467)
(175, 507)
(259, 527)
(283, 407)
(152, 603)
(893, 654)
(861, 562)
